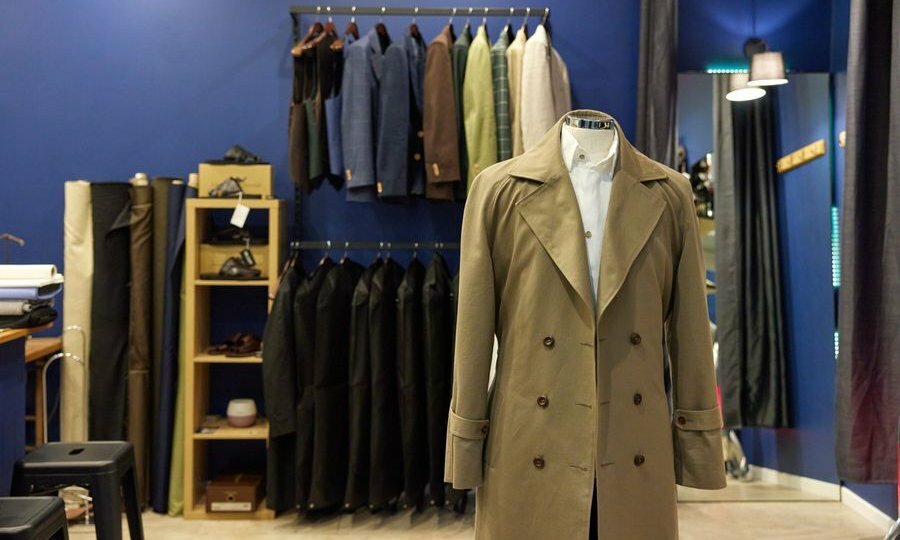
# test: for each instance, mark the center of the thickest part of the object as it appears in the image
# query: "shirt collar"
(571, 150)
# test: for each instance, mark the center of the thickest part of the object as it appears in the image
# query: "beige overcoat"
(579, 395)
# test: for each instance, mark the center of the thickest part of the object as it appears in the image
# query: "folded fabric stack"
(26, 294)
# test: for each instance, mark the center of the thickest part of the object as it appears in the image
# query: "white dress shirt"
(591, 176)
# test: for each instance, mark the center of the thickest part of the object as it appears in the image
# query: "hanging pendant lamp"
(767, 69)
(739, 91)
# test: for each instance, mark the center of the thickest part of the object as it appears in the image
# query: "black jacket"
(330, 380)
(385, 458)
(411, 385)
(438, 318)
(356, 493)
(280, 393)
(305, 310)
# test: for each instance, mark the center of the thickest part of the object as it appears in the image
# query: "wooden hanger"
(352, 29)
(414, 28)
(315, 29)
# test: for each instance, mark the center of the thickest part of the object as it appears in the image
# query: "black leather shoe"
(234, 268)
(239, 154)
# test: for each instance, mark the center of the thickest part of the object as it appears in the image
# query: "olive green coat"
(579, 395)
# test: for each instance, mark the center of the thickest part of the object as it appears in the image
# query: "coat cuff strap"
(466, 428)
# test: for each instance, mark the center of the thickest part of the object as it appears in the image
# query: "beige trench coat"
(579, 396)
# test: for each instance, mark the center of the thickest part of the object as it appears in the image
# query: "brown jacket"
(439, 120)
(579, 396)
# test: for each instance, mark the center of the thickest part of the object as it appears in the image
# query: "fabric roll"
(30, 293)
(37, 317)
(78, 261)
(166, 385)
(27, 271)
(305, 309)
(437, 352)
(279, 366)
(385, 456)
(160, 188)
(111, 213)
(176, 470)
(140, 331)
(411, 385)
(36, 283)
(21, 307)
(356, 494)
(330, 381)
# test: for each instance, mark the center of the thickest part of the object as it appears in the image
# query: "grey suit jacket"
(359, 112)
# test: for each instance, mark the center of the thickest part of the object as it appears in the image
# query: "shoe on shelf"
(234, 268)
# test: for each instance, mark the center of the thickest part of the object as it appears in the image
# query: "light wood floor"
(697, 521)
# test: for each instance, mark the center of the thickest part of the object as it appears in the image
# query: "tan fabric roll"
(139, 332)
(27, 271)
(78, 260)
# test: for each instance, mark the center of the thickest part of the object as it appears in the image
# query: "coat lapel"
(552, 212)
(553, 215)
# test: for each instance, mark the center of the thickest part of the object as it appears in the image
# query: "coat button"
(542, 402)
(549, 342)
(420, 133)
(588, 234)
(682, 420)
(635, 338)
(538, 462)
(484, 429)
(637, 399)
(417, 156)
(638, 460)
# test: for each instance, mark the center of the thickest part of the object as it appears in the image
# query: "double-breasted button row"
(681, 420)
(549, 342)
(635, 338)
(538, 462)
(543, 401)
(638, 460)
(638, 399)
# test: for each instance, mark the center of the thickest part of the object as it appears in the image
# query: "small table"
(12, 400)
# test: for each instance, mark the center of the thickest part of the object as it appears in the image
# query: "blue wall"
(713, 33)
(695, 115)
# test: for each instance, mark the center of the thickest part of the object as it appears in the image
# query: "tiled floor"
(777, 513)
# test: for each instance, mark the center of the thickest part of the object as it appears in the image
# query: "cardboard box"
(256, 178)
(213, 256)
(235, 492)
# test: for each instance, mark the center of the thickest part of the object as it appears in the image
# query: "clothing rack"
(424, 12)
(382, 246)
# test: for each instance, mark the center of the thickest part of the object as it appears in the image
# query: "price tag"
(241, 211)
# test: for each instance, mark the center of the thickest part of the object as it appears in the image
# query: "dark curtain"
(657, 80)
(868, 367)
(752, 360)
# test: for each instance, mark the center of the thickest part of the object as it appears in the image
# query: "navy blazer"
(416, 52)
(359, 112)
(393, 123)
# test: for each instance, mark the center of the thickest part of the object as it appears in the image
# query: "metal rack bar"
(423, 12)
(384, 245)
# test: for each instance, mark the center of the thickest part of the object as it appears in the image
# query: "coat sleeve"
(468, 424)
(439, 124)
(697, 420)
(393, 142)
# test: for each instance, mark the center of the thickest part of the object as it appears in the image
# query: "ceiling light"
(767, 69)
(739, 91)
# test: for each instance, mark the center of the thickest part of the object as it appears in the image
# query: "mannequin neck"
(596, 142)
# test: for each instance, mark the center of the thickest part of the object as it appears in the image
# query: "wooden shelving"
(197, 314)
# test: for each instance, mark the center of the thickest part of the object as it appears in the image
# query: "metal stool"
(33, 518)
(105, 468)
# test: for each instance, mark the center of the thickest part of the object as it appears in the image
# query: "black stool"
(105, 468)
(33, 518)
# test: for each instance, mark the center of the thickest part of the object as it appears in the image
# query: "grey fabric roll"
(160, 188)
(657, 80)
(868, 366)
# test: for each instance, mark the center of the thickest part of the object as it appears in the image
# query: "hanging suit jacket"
(545, 91)
(415, 54)
(478, 107)
(280, 393)
(441, 140)
(459, 55)
(359, 116)
(356, 493)
(392, 155)
(604, 421)
(514, 54)
(331, 379)
(437, 353)
(411, 380)
(385, 457)
(305, 310)
(500, 71)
